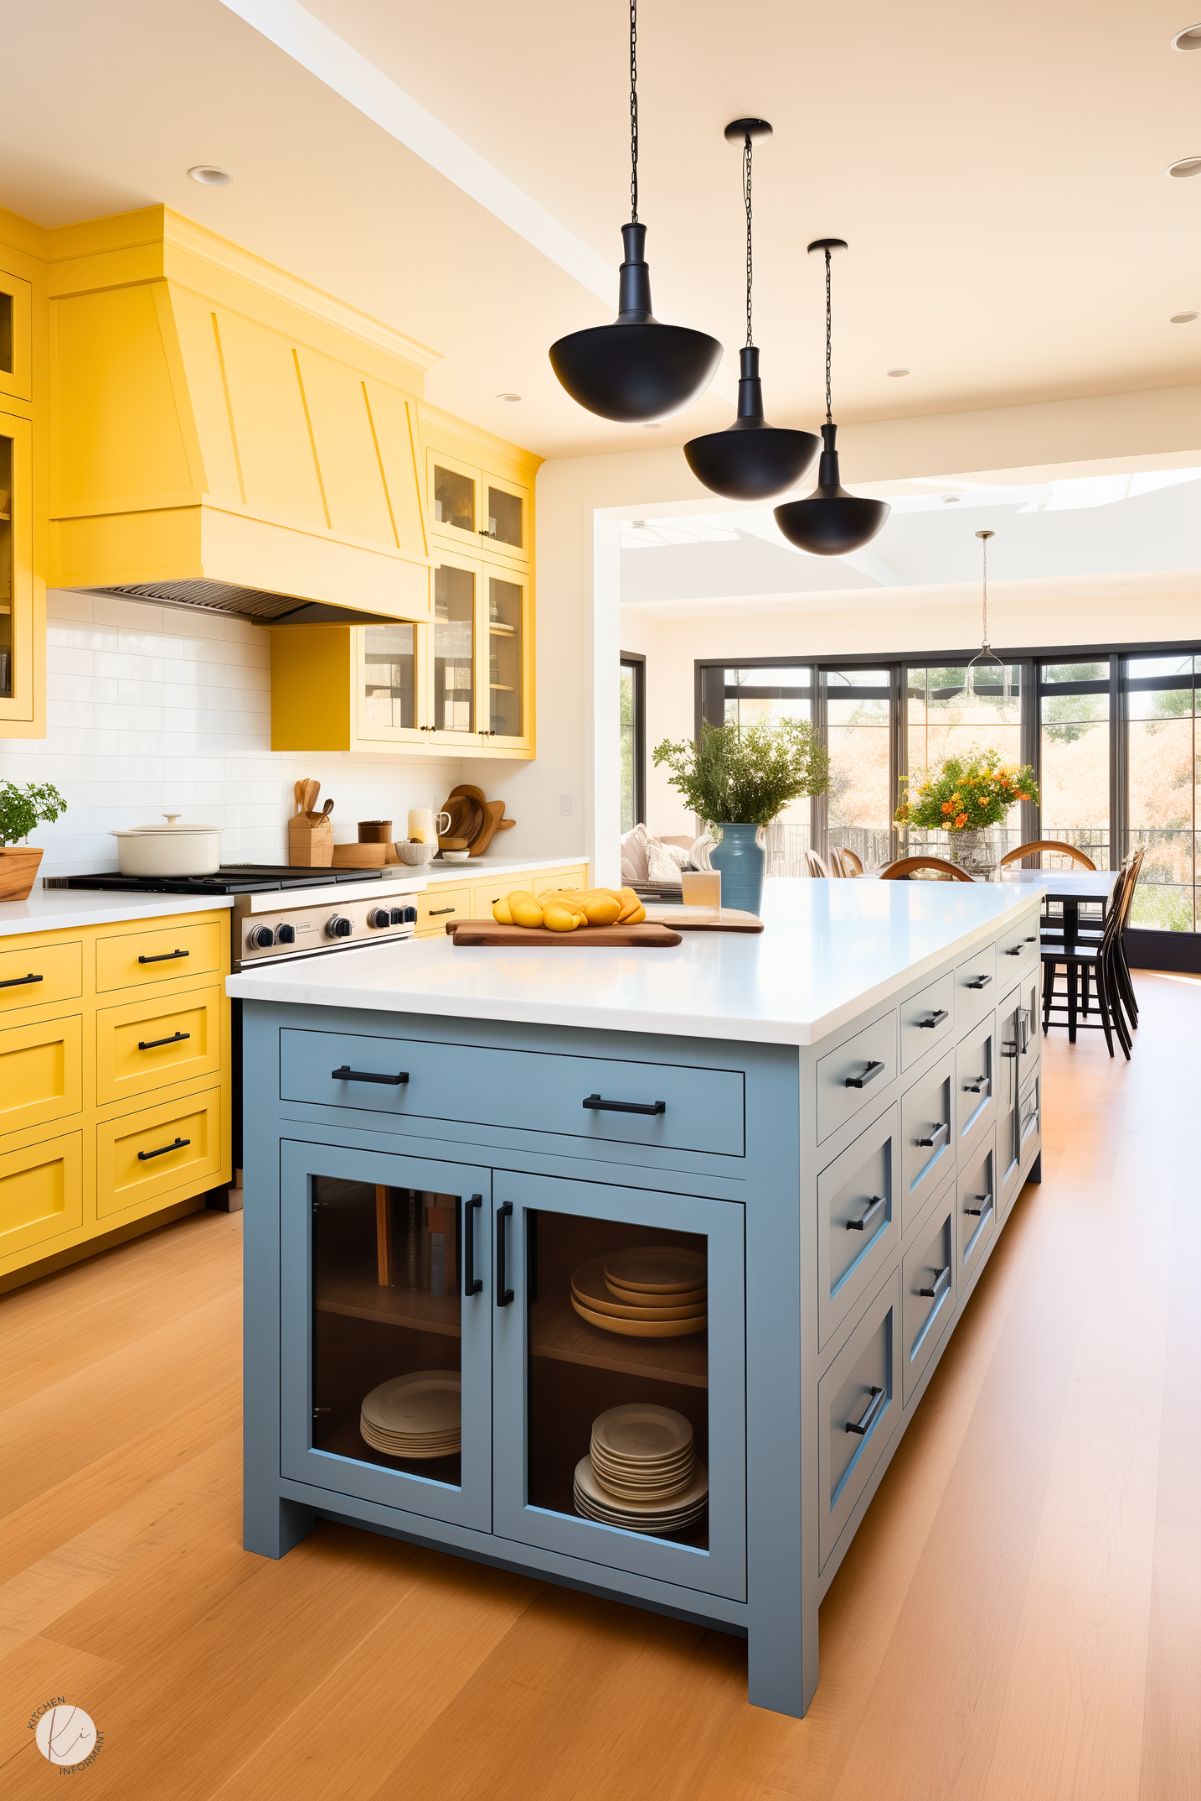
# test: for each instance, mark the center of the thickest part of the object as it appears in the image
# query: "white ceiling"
(998, 171)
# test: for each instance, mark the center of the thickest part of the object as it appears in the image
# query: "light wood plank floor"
(1019, 1618)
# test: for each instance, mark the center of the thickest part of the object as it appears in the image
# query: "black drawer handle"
(940, 1285)
(874, 1206)
(934, 1019)
(1009, 1047)
(1033, 939)
(595, 1104)
(177, 1145)
(504, 1294)
(1015, 950)
(979, 1086)
(978, 982)
(472, 1284)
(981, 1204)
(152, 1044)
(21, 981)
(868, 1074)
(165, 957)
(437, 912)
(867, 1418)
(936, 1136)
(344, 1073)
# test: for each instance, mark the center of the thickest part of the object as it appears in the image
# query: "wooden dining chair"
(850, 862)
(815, 864)
(1051, 846)
(1096, 959)
(939, 868)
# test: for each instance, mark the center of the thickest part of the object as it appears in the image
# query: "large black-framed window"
(632, 739)
(1113, 734)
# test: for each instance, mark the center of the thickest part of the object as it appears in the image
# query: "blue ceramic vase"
(741, 861)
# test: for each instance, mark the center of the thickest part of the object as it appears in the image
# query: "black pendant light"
(830, 522)
(751, 460)
(635, 369)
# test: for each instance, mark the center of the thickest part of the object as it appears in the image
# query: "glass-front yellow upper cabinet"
(390, 683)
(477, 510)
(452, 703)
(17, 588)
(504, 529)
(16, 303)
(509, 673)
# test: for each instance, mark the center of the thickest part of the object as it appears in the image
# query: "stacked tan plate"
(655, 1292)
(641, 1472)
(415, 1416)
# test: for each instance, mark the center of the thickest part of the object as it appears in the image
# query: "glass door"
(385, 1319)
(390, 682)
(620, 1427)
(454, 501)
(861, 798)
(16, 571)
(16, 336)
(452, 710)
(507, 638)
(504, 527)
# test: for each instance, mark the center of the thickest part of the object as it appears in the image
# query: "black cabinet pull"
(471, 1206)
(177, 1145)
(936, 1136)
(152, 1044)
(976, 1087)
(978, 982)
(1015, 950)
(982, 1204)
(940, 1285)
(1009, 1047)
(934, 1019)
(867, 1418)
(21, 981)
(869, 1072)
(874, 1207)
(1033, 939)
(344, 1073)
(437, 912)
(165, 957)
(504, 1294)
(595, 1104)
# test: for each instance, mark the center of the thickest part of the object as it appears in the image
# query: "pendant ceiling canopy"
(830, 522)
(750, 460)
(636, 369)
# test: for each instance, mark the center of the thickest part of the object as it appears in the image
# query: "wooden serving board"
(487, 932)
(703, 919)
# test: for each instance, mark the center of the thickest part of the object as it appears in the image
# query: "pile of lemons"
(568, 909)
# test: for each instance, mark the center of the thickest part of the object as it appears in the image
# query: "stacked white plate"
(415, 1416)
(655, 1292)
(641, 1471)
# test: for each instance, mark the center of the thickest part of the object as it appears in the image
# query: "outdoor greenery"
(745, 775)
(21, 809)
(967, 794)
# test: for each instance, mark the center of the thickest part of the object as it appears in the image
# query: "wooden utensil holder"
(310, 841)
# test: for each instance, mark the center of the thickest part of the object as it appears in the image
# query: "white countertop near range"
(830, 951)
(58, 909)
(484, 868)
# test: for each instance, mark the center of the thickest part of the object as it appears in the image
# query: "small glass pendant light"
(636, 369)
(750, 460)
(830, 522)
(985, 667)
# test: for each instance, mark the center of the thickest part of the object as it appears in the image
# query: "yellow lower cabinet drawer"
(157, 1041)
(44, 974)
(41, 1073)
(438, 905)
(177, 1144)
(158, 952)
(41, 1193)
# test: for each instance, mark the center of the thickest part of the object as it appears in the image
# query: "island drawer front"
(976, 1078)
(176, 1144)
(45, 973)
(1029, 1120)
(848, 1077)
(1018, 949)
(41, 1192)
(929, 1288)
(978, 1204)
(672, 1106)
(858, 1220)
(927, 1136)
(41, 1072)
(976, 986)
(158, 953)
(857, 1407)
(927, 1018)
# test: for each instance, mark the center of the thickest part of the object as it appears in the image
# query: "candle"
(421, 825)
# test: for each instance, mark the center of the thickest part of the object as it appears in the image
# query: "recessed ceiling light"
(1189, 39)
(1182, 318)
(509, 397)
(1188, 165)
(652, 425)
(209, 176)
(896, 372)
(950, 500)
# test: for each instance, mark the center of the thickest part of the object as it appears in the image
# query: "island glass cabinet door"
(568, 1348)
(386, 1314)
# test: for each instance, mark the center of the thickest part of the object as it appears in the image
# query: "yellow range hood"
(227, 437)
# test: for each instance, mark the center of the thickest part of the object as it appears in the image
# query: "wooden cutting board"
(487, 932)
(703, 919)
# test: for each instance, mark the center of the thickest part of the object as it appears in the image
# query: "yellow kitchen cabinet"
(22, 482)
(439, 906)
(539, 881)
(115, 1081)
(444, 902)
(473, 508)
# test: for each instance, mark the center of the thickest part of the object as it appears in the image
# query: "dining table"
(1070, 889)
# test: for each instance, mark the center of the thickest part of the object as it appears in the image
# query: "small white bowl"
(456, 856)
(415, 854)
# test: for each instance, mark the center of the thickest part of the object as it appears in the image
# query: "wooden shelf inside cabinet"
(558, 1332)
(359, 1297)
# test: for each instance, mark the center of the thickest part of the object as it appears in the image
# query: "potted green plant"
(966, 798)
(21, 810)
(738, 779)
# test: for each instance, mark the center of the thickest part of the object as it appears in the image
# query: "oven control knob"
(339, 927)
(286, 935)
(261, 938)
(379, 917)
(410, 918)
(397, 916)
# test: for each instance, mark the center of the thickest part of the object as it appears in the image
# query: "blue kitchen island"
(451, 1152)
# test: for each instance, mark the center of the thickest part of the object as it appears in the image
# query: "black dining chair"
(1086, 959)
(1090, 931)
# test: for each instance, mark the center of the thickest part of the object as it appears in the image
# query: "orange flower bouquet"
(968, 794)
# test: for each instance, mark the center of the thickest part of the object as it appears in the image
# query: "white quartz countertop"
(484, 868)
(830, 952)
(57, 909)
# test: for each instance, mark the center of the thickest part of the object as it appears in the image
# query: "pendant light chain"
(985, 645)
(829, 335)
(746, 195)
(633, 112)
